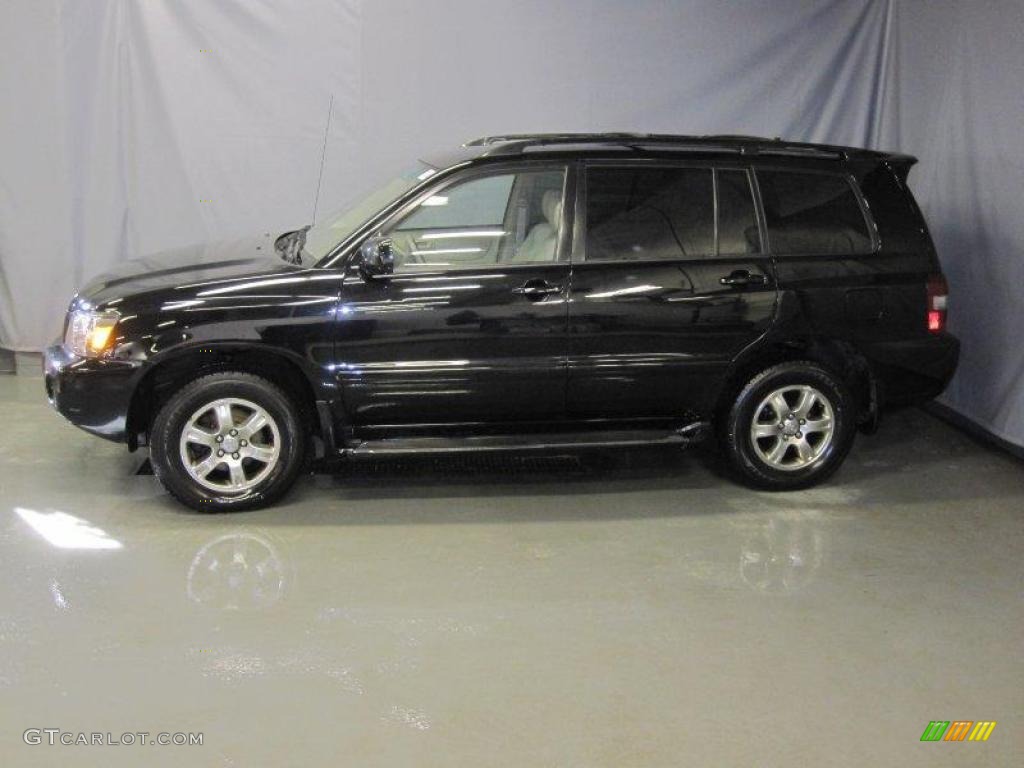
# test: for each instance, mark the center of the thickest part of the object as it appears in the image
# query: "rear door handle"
(743, 277)
(536, 289)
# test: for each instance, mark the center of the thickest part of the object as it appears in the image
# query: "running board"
(398, 446)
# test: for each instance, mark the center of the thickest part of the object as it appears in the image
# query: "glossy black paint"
(874, 303)
(193, 305)
(453, 347)
(478, 350)
(653, 339)
(450, 347)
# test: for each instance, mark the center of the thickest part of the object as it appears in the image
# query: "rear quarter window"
(900, 227)
(812, 213)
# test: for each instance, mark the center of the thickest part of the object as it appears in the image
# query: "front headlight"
(89, 333)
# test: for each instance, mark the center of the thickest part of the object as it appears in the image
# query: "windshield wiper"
(289, 245)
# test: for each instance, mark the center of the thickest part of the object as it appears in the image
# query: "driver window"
(506, 218)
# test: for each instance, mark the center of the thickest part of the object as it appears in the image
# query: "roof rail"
(737, 137)
(549, 138)
(740, 143)
(798, 151)
(687, 146)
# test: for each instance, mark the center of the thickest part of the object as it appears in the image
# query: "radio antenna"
(323, 156)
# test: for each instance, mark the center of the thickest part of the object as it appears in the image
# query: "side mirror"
(377, 257)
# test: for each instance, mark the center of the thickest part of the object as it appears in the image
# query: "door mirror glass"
(377, 257)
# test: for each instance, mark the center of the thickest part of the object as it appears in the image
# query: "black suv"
(529, 292)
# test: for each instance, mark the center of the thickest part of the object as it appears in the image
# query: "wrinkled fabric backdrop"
(130, 126)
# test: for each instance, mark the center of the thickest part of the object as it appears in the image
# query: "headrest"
(551, 205)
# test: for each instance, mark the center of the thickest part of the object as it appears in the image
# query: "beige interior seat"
(540, 242)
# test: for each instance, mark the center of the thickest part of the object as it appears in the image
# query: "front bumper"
(92, 394)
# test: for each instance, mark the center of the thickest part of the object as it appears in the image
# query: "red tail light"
(938, 292)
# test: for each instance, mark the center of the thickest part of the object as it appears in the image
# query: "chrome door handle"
(536, 289)
(743, 277)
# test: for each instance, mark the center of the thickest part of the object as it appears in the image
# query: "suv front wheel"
(227, 441)
(790, 427)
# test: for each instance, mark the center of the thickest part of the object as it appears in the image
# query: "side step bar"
(691, 433)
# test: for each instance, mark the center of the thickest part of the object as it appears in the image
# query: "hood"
(202, 263)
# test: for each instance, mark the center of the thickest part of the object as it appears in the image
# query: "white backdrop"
(131, 126)
(960, 108)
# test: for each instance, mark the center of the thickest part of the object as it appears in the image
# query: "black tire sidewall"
(740, 447)
(170, 421)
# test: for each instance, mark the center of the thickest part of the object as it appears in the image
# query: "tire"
(196, 423)
(786, 453)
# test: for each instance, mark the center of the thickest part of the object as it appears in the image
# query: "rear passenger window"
(812, 213)
(649, 213)
(737, 223)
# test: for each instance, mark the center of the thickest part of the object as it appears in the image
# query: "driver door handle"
(536, 289)
(741, 277)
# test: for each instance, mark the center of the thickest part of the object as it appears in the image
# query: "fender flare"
(326, 407)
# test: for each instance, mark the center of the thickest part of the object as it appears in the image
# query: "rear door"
(670, 282)
(471, 328)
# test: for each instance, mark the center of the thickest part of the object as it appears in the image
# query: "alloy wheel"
(230, 445)
(792, 427)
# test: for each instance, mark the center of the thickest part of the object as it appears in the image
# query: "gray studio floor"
(609, 610)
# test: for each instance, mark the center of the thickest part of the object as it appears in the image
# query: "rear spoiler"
(901, 165)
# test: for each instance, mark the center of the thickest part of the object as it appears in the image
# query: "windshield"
(339, 225)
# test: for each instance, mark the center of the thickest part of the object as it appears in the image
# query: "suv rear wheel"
(790, 427)
(227, 441)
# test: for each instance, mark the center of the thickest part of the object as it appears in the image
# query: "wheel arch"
(173, 369)
(840, 358)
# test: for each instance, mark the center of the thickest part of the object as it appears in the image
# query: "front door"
(471, 328)
(670, 282)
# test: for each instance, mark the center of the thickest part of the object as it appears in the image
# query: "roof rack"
(738, 137)
(743, 144)
(551, 138)
(794, 151)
